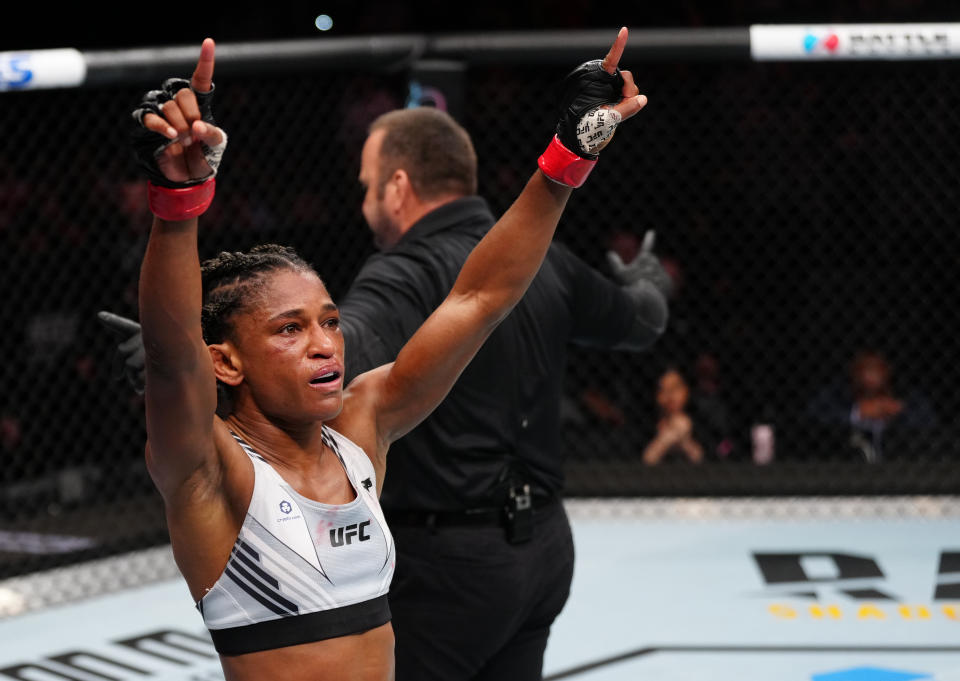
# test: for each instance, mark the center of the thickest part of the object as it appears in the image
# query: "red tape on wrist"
(182, 203)
(563, 166)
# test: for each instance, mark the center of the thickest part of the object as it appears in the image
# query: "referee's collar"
(449, 215)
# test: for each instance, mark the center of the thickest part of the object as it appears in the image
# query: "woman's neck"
(299, 455)
(292, 445)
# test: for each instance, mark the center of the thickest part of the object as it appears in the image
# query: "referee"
(484, 548)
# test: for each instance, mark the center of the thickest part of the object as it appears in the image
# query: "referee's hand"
(130, 349)
(645, 266)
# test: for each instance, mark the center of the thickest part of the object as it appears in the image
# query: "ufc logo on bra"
(344, 535)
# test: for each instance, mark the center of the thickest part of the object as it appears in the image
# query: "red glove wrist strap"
(183, 203)
(563, 166)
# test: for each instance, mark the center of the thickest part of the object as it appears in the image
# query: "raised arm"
(178, 147)
(597, 96)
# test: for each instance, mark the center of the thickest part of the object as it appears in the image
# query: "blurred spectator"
(710, 409)
(675, 438)
(871, 407)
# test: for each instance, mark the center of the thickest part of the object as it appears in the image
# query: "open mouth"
(328, 377)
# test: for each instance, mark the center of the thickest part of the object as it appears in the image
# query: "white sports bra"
(302, 571)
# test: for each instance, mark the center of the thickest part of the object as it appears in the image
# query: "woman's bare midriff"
(357, 657)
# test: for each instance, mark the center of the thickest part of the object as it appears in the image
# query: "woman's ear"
(227, 366)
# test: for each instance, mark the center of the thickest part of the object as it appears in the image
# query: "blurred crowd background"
(806, 212)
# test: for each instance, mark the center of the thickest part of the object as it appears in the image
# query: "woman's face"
(672, 393)
(291, 349)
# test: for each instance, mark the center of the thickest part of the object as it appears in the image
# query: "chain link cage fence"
(805, 211)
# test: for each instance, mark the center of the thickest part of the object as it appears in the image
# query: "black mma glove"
(585, 124)
(147, 144)
(174, 200)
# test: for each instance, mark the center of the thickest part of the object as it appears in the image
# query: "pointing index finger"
(648, 240)
(202, 79)
(616, 51)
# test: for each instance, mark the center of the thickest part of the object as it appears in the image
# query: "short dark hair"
(229, 280)
(434, 150)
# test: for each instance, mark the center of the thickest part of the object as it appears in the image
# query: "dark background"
(116, 25)
(810, 208)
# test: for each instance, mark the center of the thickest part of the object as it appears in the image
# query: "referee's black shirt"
(502, 418)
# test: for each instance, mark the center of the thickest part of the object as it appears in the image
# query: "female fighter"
(271, 494)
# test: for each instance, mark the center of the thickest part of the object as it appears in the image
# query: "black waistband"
(479, 517)
(297, 629)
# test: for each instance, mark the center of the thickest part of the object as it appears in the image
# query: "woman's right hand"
(185, 146)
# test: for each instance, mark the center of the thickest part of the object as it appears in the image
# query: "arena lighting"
(323, 22)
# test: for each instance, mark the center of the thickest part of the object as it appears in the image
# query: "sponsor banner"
(854, 41)
(38, 69)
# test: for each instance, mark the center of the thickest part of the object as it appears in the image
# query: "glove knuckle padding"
(148, 145)
(586, 89)
(173, 85)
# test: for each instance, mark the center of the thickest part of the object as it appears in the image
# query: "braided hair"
(231, 279)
